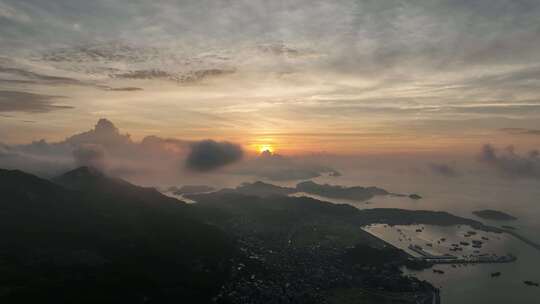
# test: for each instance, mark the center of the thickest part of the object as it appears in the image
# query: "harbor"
(451, 259)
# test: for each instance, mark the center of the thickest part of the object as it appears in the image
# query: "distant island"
(335, 191)
(335, 173)
(494, 215)
(415, 196)
(357, 193)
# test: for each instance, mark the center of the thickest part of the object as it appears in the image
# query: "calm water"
(461, 196)
(470, 283)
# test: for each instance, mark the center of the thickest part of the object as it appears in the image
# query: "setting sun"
(266, 147)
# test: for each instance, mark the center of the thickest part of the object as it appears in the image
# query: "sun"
(264, 148)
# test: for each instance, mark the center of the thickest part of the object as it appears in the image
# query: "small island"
(494, 215)
(531, 283)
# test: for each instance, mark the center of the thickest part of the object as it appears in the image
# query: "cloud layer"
(442, 71)
(14, 101)
(277, 167)
(103, 147)
(90, 156)
(444, 169)
(511, 164)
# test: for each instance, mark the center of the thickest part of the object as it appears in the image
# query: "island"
(531, 283)
(340, 192)
(495, 215)
(414, 196)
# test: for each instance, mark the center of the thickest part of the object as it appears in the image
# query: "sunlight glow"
(265, 147)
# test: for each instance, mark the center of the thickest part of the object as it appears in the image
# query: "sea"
(461, 195)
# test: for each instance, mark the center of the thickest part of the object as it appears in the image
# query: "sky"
(300, 77)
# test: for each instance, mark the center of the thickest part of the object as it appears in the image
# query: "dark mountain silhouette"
(90, 180)
(87, 238)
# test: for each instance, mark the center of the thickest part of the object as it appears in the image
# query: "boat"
(495, 274)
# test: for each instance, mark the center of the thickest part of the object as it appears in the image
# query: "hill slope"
(102, 241)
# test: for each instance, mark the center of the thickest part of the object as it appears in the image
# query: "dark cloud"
(90, 155)
(443, 169)
(200, 75)
(14, 101)
(182, 77)
(33, 77)
(126, 89)
(511, 164)
(208, 155)
(146, 74)
(24, 75)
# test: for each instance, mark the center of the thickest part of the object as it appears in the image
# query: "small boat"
(438, 271)
(495, 274)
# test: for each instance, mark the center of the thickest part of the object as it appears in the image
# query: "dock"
(450, 259)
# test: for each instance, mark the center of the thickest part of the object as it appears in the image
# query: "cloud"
(103, 147)
(26, 76)
(276, 167)
(14, 101)
(10, 13)
(4, 150)
(105, 133)
(364, 50)
(208, 155)
(447, 170)
(126, 89)
(90, 155)
(511, 164)
(520, 131)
